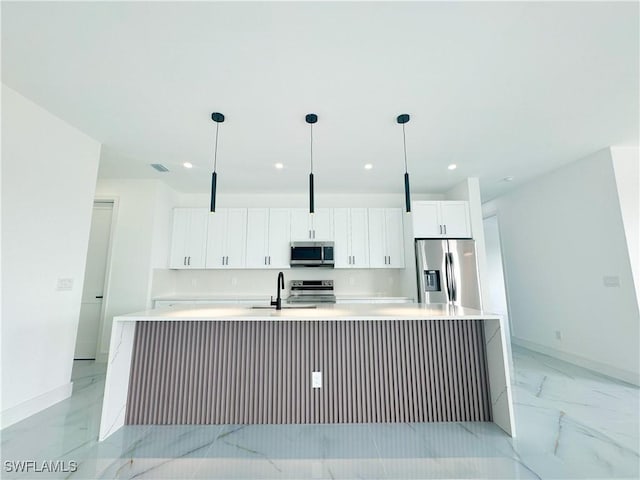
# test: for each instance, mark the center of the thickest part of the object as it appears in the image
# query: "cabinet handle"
(184, 261)
(354, 259)
(265, 260)
(222, 260)
(309, 233)
(389, 259)
(445, 229)
(189, 261)
(314, 234)
(227, 260)
(269, 259)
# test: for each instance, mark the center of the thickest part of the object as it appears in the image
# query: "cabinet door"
(426, 220)
(236, 241)
(217, 239)
(377, 247)
(359, 237)
(196, 241)
(178, 256)
(322, 224)
(257, 237)
(455, 219)
(279, 251)
(394, 237)
(300, 225)
(342, 249)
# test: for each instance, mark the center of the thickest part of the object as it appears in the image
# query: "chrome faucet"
(278, 301)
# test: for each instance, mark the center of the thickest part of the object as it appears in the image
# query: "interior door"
(94, 278)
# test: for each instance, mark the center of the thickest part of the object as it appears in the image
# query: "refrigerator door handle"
(454, 290)
(446, 274)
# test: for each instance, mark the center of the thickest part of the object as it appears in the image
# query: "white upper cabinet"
(227, 238)
(305, 226)
(351, 236)
(189, 238)
(386, 238)
(441, 219)
(268, 237)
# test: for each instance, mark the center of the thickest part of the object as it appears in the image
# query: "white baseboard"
(25, 409)
(614, 372)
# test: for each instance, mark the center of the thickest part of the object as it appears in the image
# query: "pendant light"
(402, 119)
(311, 118)
(218, 118)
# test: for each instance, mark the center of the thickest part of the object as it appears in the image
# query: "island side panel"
(499, 375)
(116, 388)
(248, 372)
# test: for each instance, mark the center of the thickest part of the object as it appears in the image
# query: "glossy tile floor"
(572, 423)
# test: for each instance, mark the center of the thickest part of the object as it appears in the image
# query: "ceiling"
(500, 89)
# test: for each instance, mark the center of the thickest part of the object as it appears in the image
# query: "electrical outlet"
(558, 335)
(316, 379)
(64, 284)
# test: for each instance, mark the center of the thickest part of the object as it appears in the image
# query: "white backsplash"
(365, 282)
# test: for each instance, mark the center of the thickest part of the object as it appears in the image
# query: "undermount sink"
(288, 307)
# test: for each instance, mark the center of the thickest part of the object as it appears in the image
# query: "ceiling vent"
(159, 167)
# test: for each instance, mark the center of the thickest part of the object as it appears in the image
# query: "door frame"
(102, 357)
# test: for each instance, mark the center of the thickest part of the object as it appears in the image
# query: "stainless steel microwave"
(312, 254)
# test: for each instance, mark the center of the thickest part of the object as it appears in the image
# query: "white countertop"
(380, 311)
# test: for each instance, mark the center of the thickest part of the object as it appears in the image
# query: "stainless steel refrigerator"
(448, 272)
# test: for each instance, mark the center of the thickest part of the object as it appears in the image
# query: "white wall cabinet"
(268, 237)
(386, 238)
(351, 235)
(227, 238)
(305, 226)
(441, 219)
(189, 238)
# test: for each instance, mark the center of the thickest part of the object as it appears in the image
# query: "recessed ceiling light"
(507, 179)
(453, 166)
(368, 166)
(187, 165)
(279, 166)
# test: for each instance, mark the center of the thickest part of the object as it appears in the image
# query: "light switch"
(64, 284)
(316, 379)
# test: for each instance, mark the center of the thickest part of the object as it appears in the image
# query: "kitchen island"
(380, 363)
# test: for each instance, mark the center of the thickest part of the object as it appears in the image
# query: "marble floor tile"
(572, 424)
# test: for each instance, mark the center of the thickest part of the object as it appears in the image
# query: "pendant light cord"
(404, 142)
(311, 124)
(215, 151)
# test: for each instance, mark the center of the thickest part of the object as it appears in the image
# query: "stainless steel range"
(311, 291)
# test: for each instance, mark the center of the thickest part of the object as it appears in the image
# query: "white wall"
(48, 179)
(561, 234)
(626, 165)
